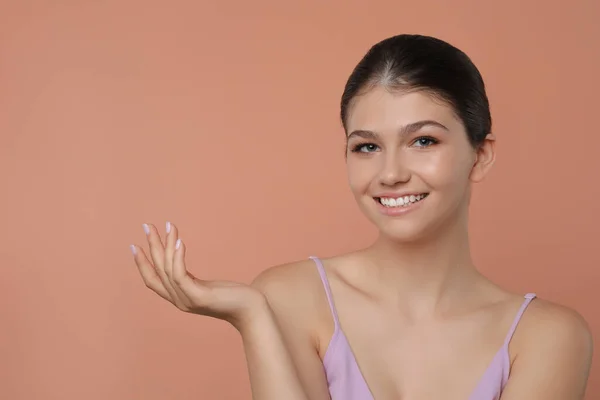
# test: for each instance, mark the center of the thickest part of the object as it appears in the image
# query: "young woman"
(409, 317)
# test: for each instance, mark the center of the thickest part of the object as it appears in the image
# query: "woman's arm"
(554, 357)
(294, 303)
(283, 363)
(270, 366)
(273, 373)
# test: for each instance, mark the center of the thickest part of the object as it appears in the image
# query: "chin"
(404, 233)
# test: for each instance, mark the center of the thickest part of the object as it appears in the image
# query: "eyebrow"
(405, 130)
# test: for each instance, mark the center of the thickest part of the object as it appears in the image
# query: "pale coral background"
(224, 120)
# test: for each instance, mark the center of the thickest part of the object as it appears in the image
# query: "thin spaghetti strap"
(327, 288)
(511, 332)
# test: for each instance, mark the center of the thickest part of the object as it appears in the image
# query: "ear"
(484, 158)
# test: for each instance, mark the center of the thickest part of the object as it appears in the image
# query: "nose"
(394, 170)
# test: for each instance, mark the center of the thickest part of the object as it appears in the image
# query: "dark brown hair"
(424, 63)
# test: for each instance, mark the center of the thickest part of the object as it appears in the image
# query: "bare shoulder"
(560, 337)
(557, 334)
(296, 295)
(298, 278)
(294, 292)
(551, 324)
(286, 280)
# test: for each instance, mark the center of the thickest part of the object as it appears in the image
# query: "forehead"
(381, 110)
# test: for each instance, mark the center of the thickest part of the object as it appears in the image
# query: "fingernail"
(146, 229)
(133, 249)
(177, 244)
(168, 227)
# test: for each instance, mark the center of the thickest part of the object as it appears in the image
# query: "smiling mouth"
(399, 202)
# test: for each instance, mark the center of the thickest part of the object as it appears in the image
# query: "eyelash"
(356, 148)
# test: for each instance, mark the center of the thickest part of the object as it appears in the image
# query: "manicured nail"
(146, 229)
(133, 249)
(168, 227)
(177, 244)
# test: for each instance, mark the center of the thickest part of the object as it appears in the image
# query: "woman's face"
(410, 163)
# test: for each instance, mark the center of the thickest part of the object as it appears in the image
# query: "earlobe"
(484, 158)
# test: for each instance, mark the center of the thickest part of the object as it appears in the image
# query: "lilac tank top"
(346, 381)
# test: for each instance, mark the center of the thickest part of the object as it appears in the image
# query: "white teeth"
(401, 201)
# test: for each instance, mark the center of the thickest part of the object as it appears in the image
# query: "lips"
(406, 200)
(398, 206)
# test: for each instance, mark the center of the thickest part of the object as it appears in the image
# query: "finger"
(157, 252)
(176, 281)
(170, 241)
(148, 273)
(183, 281)
(170, 249)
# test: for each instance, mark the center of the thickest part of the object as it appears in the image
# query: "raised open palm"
(167, 276)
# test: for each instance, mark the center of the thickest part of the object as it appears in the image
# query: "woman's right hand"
(168, 277)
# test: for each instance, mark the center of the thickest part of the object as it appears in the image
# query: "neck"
(426, 276)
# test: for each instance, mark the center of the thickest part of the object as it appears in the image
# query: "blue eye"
(365, 148)
(425, 141)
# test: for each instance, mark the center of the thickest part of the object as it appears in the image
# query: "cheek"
(359, 174)
(445, 170)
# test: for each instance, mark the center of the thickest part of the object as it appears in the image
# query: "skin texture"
(422, 322)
